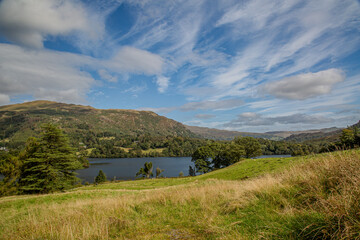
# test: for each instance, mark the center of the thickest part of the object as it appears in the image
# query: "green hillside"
(19, 120)
(313, 197)
(103, 133)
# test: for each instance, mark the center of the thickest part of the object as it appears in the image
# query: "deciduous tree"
(251, 146)
(146, 171)
(158, 171)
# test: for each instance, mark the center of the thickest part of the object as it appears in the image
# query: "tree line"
(48, 164)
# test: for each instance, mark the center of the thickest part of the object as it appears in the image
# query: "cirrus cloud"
(204, 116)
(212, 105)
(163, 83)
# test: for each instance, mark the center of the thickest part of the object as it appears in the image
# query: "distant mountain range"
(20, 121)
(296, 136)
(217, 134)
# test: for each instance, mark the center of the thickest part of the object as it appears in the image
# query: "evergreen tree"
(101, 177)
(10, 169)
(48, 163)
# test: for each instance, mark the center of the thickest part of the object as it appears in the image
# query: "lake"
(126, 168)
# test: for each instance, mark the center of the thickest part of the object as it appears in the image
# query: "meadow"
(311, 197)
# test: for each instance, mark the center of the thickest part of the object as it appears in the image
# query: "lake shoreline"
(126, 168)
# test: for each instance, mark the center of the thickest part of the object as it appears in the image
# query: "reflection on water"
(126, 168)
(105, 163)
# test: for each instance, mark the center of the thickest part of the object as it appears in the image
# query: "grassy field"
(313, 197)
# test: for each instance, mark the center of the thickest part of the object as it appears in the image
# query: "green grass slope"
(314, 197)
(20, 121)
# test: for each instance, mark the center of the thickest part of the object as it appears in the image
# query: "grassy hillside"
(315, 197)
(82, 123)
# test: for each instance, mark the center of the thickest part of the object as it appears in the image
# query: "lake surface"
(126, 168)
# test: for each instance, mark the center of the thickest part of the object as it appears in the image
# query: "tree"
(191, 171)
(228, 155)
(251, 146)
(10, 169)
(48, 164)
(202, 158)
(181, 174)
(101, 177)
(356, 136)
(146, 171)
(158, 171)
(347, 137)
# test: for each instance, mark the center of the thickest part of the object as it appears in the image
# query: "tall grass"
(317, 199)
(330, 190)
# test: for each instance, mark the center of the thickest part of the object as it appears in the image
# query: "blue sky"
(258, 65)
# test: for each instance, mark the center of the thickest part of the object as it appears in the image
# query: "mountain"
(297, 136)
(20, 121)
(217, 134)
(326, 134)
(323, 135)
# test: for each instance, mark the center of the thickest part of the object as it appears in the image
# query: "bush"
(101, 177)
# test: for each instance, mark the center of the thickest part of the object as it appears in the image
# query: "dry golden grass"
(95, 218)
(210, 209)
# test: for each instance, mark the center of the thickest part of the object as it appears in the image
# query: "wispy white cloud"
(286, 37)
(107, 76)
(163, 83)
(204, 105)
(136, 89)
(200, 123)
(212, 105)
(214, 53)
(204, 116)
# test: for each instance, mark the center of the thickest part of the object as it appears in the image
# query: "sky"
(253, 66)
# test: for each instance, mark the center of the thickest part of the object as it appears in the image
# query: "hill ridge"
(19, 121)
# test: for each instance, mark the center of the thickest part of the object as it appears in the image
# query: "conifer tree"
(101, 177)
(48, 163)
